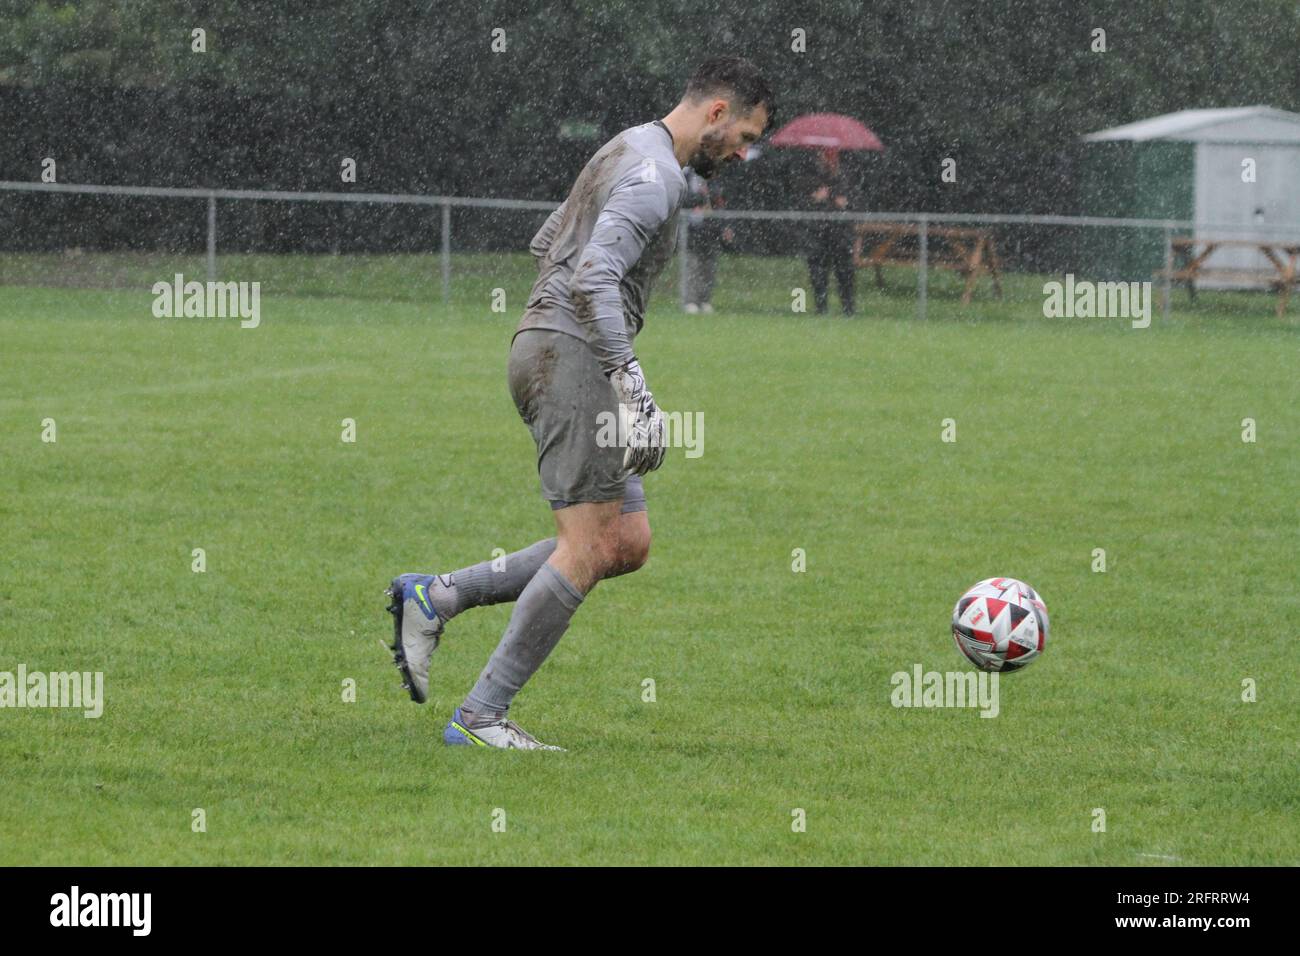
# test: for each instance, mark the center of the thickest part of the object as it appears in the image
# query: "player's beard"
(705, 162)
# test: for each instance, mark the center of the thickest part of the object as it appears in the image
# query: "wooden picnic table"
(969, 252)
(1192, 255)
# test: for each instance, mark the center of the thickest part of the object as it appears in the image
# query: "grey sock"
(540, 618)
(481, 583)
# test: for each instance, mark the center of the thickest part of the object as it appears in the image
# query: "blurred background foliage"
(414, 92)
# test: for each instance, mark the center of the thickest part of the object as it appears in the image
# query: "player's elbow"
(590, 277)
(589, 280)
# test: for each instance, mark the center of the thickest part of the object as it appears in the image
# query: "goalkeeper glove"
(640, 420)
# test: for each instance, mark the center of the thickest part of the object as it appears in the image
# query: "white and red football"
(1000, 624)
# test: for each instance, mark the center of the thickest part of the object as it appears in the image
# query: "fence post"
(683, 260)
(212, 238)
(1169, 269)
(446, 253)
(923, 266)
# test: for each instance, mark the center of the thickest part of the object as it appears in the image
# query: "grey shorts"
(561, 393)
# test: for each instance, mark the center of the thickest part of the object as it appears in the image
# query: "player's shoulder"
(651, 147)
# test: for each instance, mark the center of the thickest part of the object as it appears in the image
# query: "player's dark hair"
(735, 78)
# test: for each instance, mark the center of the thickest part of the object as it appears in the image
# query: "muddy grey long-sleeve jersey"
(599, 253)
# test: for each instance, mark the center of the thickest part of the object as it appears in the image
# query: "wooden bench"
(968, 252)
(1193, 254)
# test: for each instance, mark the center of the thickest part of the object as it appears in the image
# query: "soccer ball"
(1000, 624)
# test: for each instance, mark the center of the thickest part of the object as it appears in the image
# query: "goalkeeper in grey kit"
(572, 371)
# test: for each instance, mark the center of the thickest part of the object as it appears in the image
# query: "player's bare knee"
(613, 552)
(634, 549)
(605, 557)
(597, 551)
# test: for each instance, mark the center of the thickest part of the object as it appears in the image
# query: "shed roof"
(1239, 124)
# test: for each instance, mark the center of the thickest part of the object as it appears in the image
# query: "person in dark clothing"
(829, 245)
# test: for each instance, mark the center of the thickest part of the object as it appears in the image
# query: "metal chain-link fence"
(469, 252)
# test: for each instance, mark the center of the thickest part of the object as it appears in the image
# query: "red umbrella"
(829, 131)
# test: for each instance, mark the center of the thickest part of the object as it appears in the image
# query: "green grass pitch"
(224, 689)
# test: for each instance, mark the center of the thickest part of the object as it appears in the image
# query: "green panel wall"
(1125, 180)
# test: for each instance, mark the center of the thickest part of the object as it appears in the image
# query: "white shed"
(1234, 172)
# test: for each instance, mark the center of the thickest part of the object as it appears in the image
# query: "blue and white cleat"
(417, 630)
(503, 734)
